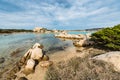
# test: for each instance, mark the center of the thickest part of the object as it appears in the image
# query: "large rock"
(34, 53)
(2, 60)
(29, 67)
(111, 57)
(80, 43)
(70, 36)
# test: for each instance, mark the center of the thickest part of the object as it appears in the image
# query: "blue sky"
(59, 14)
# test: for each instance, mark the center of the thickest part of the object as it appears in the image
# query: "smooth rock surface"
(111, 57)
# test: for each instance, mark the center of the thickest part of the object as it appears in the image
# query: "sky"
(59, 14)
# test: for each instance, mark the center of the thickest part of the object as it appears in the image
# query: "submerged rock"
(111, 57)
(16, 52)
(2, 60)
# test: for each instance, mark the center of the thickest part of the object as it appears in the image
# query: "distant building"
(39, 29)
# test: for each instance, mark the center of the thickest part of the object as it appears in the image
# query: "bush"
(108, 38)
(82, 69)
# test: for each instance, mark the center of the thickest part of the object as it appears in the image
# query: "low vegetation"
(82, 69)
(14, 30)
(108, 38)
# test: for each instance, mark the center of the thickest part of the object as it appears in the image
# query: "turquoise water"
(14, 46)
(81, 32)
(18, 44)
(23, 41)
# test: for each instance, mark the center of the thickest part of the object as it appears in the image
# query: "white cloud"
(78, 13)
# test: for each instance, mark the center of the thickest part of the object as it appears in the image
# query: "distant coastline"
(24, 30)
(14, 30)
(92, 29)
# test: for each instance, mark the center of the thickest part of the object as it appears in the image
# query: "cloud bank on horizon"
(59, 14)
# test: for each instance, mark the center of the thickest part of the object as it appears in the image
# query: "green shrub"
(108, 38)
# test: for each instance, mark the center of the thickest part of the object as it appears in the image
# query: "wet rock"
(22, 78)
(2, 60)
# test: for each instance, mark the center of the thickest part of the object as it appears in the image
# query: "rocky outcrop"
(35, 53)
(33, 57)
(110, 57)
(83, 42)
(69, 36)
(78, 40)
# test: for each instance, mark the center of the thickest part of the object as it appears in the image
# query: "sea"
(18, 43)
(81, 32)
(13, 46)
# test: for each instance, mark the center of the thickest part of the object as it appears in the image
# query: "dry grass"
(82, 69)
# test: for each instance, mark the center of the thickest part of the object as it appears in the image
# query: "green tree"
(108, 38)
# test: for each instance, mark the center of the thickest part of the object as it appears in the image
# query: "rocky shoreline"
(11, 71)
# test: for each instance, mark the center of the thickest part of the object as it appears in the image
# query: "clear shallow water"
(23, 41)
(19, 43)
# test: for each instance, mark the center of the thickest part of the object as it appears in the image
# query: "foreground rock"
(29, 67)
(111, 57)
(31, 59)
